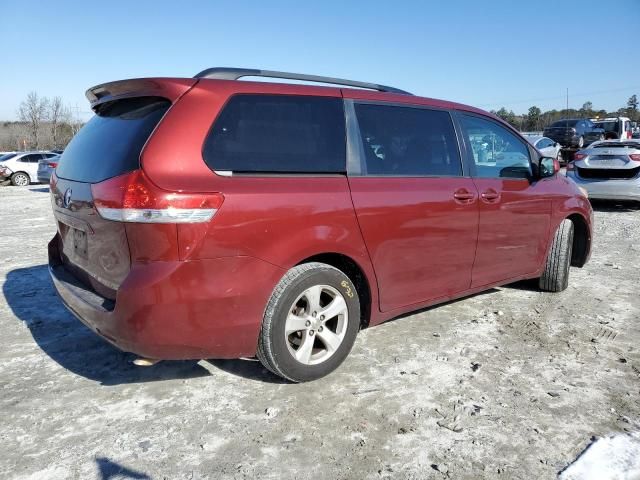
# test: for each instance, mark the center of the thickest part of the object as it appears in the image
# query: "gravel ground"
(511, 383)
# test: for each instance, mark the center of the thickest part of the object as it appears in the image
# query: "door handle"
(462, 195)
(490, 195)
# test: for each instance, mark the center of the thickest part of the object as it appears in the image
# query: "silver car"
(546, 146)
(608, 170)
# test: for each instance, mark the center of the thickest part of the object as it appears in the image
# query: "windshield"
(564, 123)
(7, 156)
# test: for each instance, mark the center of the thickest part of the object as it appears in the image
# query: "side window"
(496, 151)
(407, 141)
(36, 157)
(278, 134)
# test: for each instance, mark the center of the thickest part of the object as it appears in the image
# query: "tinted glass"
(110, 143)
(496, 151)
(405, 141)
(7, 156)
(564, 123)
(544, 143)
(278, 134)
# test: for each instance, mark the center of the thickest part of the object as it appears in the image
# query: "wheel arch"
(356, 274)
(23, 172)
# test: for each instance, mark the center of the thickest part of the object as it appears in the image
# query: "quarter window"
(278, 134)
(407, 141)
(496, 151)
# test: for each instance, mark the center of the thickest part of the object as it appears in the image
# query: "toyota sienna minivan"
(212, 217)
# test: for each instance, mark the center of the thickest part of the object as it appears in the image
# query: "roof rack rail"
(222, 73)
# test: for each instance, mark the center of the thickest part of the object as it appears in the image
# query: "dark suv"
(574, 132)
(215, 218)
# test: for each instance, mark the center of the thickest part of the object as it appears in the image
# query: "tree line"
(43, 124)
(46, 123)
(536, 120)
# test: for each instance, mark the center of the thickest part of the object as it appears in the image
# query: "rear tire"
(20, 179)
(310, 323)
(555, 277)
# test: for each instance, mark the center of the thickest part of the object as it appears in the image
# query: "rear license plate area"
(80, 245)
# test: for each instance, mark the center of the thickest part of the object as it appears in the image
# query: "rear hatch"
(559, 132)
(619, 163)
(94, 249)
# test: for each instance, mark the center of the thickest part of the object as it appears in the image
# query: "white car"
(22, 167)
(546, 146)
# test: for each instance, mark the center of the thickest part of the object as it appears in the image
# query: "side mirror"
(548, 167)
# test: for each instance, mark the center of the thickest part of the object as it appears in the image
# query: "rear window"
(111, 142)
(278, 134)
(611, 126)
(564, 123)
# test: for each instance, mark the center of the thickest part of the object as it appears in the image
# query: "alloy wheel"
(316, 324)
(20, 180)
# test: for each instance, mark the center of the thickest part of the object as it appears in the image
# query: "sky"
(486, 53)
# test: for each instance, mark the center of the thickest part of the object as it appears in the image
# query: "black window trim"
(468, 156)
(231, 173)
(356, 158)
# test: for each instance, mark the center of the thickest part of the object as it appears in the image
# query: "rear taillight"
(133, 198)
(579, 156)
(635, 156)
(53, 164)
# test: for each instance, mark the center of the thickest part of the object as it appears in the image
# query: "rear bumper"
(609, 189)
(177, 310)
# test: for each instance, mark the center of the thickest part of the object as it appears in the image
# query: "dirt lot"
(512, 383)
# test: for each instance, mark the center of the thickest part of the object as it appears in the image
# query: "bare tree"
(55, 116)
(72, 119)
(33, 111)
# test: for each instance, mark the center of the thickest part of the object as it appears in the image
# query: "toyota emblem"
(66, 200)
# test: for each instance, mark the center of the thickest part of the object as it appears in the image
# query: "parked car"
(608, 169)
(46, 166)
(619, 128)
(546, 146)
(574, 132)
(22, 167)
(212, 218)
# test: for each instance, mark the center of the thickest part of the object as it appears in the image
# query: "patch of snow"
(610, 458)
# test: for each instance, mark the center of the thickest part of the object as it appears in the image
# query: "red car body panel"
(422, 243)
(199, 290)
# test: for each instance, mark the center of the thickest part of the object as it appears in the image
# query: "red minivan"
(217, 218)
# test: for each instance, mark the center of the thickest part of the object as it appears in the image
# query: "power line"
(558, 97)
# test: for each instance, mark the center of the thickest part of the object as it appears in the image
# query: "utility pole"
(567, 111)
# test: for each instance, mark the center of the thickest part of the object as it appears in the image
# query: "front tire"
(555, 277)
(20, 179)
(310, 323)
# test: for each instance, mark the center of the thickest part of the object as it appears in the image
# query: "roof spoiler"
(169, 88)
